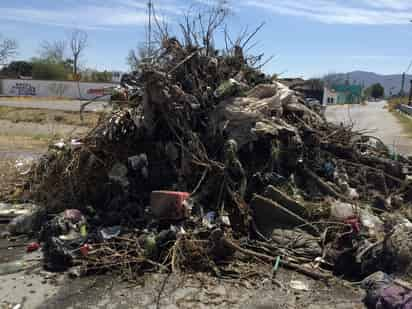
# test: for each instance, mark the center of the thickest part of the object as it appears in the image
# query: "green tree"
(17, 68)
(102, 76)
(375, 91)
(44, 69)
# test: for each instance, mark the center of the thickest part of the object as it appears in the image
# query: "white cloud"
(161, 7)
(390, 4)
(90, 14)
(383, 12)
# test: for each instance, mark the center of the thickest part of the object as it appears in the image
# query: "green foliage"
(44, 69)
(17, 68)
(102, 76)
(97, 76)
(375, 91)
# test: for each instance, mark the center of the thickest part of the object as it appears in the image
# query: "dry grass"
(44, 116)
(13, 143)
(405, 121)
(392, 103)
(11, 149)
(10, 180)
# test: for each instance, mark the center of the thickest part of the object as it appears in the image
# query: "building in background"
(116, 76)
(310, 89)
(342, 94)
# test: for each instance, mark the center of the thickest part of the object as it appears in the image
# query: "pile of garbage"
(210, 162)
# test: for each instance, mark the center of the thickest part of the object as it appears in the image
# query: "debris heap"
(207, 160)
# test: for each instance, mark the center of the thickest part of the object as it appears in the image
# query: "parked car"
(312, 102)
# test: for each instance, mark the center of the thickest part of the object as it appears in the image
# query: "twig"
(162, 287)
(200, 182)
(324, 186)
(271, 259)
(265, 62)
(182, 62)
(253, 34)
(373, 169)
(83, 106)
(367, 249)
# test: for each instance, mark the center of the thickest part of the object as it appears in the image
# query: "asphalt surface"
(31, 287)
(36, 288)
(63, 105)
(374, 119)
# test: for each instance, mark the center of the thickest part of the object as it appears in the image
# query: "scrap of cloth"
(391, 297)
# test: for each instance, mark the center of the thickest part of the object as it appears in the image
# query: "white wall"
(329, 95)
(48, 88)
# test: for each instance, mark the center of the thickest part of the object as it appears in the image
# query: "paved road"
(69, 105)
(37, 288)
(376, 120)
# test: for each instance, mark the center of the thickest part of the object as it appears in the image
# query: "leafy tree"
(43, 69)
(102, 76)
(375, 91)
(18, 68)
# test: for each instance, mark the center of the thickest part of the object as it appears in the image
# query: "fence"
(49, 88)
(405, 109)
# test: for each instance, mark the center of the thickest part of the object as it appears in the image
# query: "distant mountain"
(391, 83)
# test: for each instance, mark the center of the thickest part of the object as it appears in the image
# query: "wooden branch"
(324, 186)
(253, 34)
(301, 269)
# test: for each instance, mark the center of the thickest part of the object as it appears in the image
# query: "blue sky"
(308, 37)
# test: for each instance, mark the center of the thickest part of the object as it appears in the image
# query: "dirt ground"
(26, 134)
(44, 116)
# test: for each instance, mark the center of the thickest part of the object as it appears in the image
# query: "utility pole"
(402, 93)
(149, 30)
(410, 95)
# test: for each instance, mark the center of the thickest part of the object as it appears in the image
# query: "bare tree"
(199, 29)
(53, 51)
(8, 49)
(136, 56)
(78, 43)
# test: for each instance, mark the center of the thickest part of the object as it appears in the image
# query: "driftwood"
(286, 201)
(324, 186)
(269, 215)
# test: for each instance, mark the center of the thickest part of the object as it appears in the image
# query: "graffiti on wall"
(64, 89)
(23, 89)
